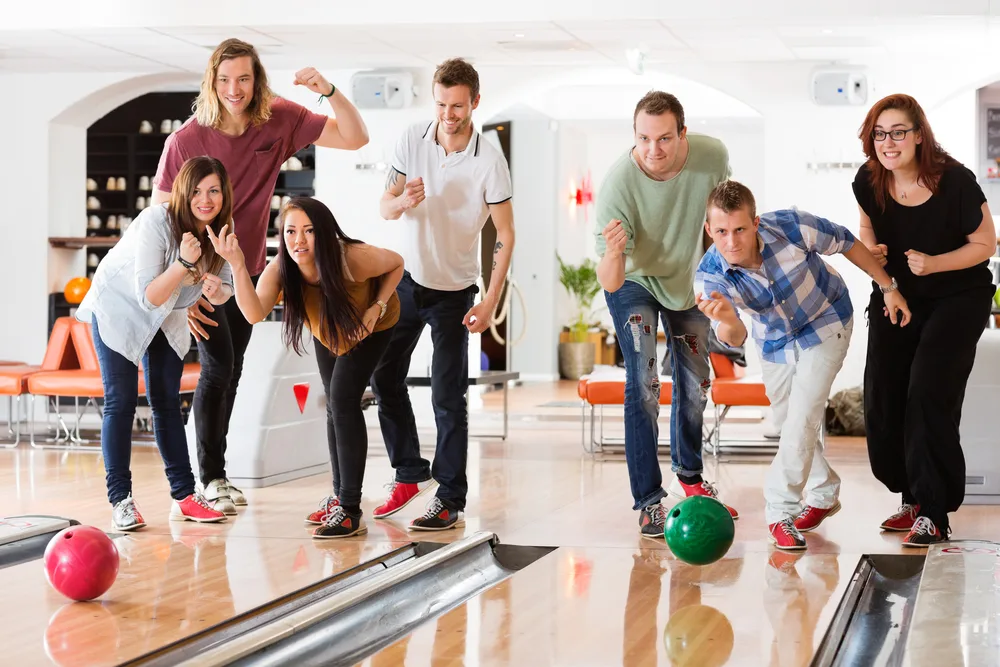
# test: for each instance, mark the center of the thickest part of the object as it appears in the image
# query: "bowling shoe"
(125, 516)
(679, 489)
(217, 494)
(400, 495)
(786, 536)
(923, 534)
(340, 524)
(195, 508)
(811, 517)
(651, 521)
(903, 520)
(438, 517)
(235, 494)
(325, 508)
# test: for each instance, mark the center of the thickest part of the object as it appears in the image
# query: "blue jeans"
(443, 311)
(163, 370)
(635, 313)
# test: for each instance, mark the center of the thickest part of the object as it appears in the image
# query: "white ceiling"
(769, 37)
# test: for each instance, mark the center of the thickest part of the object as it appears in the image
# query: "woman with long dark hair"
(137, 307)
(924, 216)
(344, 291)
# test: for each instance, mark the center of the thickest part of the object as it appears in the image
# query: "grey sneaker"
(652, 520)
(217, 495)
(125, 516)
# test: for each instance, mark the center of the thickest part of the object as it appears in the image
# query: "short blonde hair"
(208, 108)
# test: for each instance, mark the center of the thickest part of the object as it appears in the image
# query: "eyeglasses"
(897, 135)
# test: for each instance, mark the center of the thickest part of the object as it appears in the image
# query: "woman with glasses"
(924, 216)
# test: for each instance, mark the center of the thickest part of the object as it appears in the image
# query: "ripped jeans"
(635, 313)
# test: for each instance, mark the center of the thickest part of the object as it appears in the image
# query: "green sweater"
(663, 220)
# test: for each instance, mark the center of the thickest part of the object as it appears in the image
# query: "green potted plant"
(576, 357)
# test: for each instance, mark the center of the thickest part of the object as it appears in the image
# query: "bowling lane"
(169, 586)
(640, 607)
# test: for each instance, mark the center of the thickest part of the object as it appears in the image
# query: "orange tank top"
(362, 295)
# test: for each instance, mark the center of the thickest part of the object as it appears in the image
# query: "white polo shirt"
(440, 236)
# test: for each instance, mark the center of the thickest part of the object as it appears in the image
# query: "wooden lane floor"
(639, 608)
(606, 596)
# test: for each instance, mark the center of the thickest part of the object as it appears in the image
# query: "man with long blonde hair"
(240, 121)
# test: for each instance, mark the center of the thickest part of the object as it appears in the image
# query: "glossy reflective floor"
(606, 597)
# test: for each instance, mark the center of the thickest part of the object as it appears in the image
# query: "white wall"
(42, 174)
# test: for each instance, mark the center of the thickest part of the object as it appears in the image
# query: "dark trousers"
(443, 312)
(345, 379)
(915, 380)
(162, 369)
(221, 358)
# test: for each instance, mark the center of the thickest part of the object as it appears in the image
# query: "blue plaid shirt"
(794, 297)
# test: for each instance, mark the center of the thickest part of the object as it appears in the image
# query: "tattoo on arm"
(390, 180)
(496, 249)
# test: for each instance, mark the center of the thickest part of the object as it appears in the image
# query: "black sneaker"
(924, 533)
(438, 517)
(340, 524)
(651, 521)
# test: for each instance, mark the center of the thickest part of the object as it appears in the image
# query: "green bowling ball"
(699, 530)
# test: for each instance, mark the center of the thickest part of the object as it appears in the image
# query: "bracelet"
(186, 264)
(333, 89)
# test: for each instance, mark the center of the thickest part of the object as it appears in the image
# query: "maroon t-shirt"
(253, 161)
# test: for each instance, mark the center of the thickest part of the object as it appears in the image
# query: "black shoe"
(438, 517)
(923, 534)
(340, 524)
(651, 521)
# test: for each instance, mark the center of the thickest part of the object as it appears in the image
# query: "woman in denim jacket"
(137, 307)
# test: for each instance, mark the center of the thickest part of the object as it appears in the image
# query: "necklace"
(902, 191)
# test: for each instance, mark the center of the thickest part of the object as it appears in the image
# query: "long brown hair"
(179, 209)
(931, 159)
(340, 319)
(208, 108)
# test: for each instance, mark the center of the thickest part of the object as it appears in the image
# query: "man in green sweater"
(650, 218)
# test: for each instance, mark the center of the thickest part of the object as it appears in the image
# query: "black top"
(939, 225)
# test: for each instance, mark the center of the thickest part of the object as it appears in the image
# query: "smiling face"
(899, 152)
(454, 107)
(234, 84)
(658, 141)
(299, 237)
(206, 200)
(734, 235)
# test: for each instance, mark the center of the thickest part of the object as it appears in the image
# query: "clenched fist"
(615, 238)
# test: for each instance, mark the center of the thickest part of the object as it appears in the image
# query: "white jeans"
(798, 393)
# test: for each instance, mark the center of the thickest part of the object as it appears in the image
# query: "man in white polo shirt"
(445, 182)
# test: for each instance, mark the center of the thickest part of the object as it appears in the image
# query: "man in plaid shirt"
(802, 320)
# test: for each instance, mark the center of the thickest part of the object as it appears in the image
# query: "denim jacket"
(117, 296)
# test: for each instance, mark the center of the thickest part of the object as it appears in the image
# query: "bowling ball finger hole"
(676, 513)
(67, 537)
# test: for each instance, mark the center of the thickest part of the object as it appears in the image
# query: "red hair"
(931, 159)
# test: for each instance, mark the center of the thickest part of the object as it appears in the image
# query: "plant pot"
(575, 360)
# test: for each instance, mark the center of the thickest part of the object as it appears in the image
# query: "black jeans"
(444, 312)
(345, 379)
(915, 380)
(221, 358)
(162, 369)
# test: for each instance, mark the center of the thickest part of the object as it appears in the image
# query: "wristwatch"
(893, 286)
(381, 304)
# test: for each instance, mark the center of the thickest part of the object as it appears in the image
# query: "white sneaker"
(236, 495)
(125, 516)
(217, 495)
